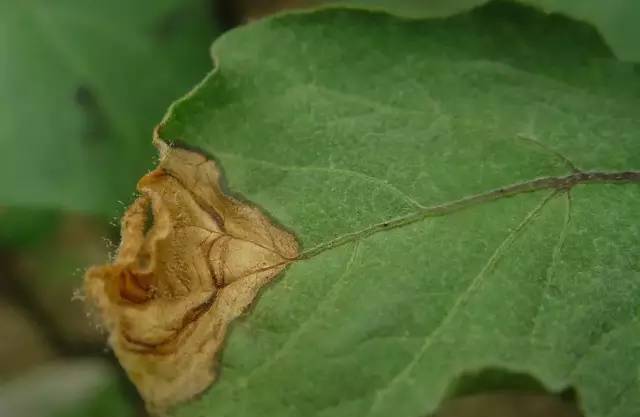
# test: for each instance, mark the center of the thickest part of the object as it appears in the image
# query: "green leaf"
(466, 195)
(82, 84)
(616, 19)
(20, 228)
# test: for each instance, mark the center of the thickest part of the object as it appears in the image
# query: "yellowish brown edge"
(190, 261)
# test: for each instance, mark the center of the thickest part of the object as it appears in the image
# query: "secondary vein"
(459, 302)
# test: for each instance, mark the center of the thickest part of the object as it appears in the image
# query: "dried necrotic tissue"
(191, 260)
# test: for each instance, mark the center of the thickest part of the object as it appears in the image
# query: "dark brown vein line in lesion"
(168, 345)
(560, 183)
(211, 211)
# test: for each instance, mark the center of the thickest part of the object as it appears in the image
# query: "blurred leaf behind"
(82, 84)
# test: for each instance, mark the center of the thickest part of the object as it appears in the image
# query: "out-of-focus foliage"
(82, 84)
(617, 20)
(77, 388)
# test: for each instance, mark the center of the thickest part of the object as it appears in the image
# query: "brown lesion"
(178, 281)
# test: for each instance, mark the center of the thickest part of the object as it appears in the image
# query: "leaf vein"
(344, 171)
(459, 301)
(554, 261)
(564, 183)
(293, 336)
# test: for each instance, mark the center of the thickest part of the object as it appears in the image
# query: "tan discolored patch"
(191, 260)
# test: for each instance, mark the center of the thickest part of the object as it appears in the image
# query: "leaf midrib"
(558, 183)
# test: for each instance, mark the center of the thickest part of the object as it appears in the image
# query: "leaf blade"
(455, 105)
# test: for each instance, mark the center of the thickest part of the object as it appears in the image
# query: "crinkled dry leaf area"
(190, 261)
